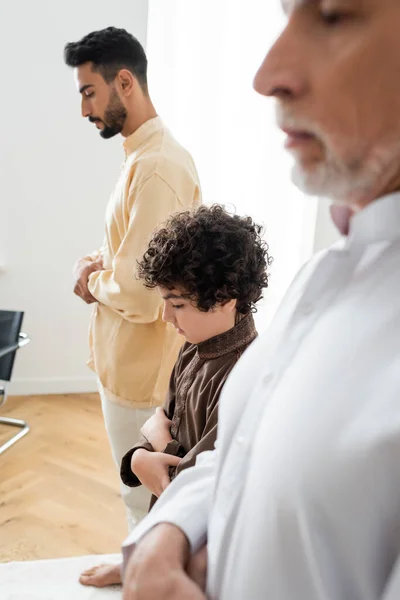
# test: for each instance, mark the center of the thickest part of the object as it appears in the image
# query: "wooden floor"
(59, 491)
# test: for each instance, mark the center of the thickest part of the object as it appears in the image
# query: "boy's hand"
(151, 468)
(157, 430)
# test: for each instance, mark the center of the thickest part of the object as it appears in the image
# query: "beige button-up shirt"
(132, 350)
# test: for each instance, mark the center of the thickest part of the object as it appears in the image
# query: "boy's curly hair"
(214, 256)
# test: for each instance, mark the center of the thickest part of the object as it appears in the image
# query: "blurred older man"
(301, 498)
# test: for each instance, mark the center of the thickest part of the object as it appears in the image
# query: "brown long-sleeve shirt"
(192, 400)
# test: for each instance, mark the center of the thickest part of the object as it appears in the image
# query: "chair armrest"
(23, 340)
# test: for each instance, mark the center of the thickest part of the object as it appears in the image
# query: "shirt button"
(240, 440)
(267, 378)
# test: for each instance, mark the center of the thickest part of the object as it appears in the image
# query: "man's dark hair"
(214, 256)
(110, 50)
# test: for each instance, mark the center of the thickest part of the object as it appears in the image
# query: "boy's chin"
(188, 338)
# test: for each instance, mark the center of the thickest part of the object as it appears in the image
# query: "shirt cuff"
(127, 476)
(174, 448)
(194, 526)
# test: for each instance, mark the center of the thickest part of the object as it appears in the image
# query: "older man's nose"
(282, 73)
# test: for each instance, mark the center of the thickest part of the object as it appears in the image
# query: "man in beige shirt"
(132, 349)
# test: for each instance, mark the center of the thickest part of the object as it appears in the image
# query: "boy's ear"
(230, 305)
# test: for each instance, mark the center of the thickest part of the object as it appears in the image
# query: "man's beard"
(114, 117)
(336, 180)
(339, 179)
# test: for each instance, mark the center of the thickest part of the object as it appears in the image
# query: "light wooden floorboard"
(59, 487)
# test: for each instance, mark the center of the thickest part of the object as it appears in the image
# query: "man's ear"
(126, 82)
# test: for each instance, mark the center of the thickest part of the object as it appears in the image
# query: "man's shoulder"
(175, 168)
(165, 155)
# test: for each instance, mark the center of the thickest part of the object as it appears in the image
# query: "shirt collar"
(240, 335)
(138, 137)
(377, 222)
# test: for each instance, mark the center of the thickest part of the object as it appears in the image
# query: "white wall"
(56, 174)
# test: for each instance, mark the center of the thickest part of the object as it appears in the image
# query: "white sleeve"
(185, 503)
(392, 588)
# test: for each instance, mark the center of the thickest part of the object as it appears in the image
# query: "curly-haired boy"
(210, 268)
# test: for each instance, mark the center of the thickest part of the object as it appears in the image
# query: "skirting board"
(53, 385)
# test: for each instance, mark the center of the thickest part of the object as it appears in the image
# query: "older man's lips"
(297, 139)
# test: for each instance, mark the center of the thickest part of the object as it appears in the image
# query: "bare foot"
(101, 576)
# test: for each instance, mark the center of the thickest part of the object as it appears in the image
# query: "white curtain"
(203, 55)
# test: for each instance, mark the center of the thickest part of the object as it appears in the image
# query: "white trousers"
(123, 427)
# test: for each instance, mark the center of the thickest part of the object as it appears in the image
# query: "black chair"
(11, 339)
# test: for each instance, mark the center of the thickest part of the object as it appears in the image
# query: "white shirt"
(301, 498)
